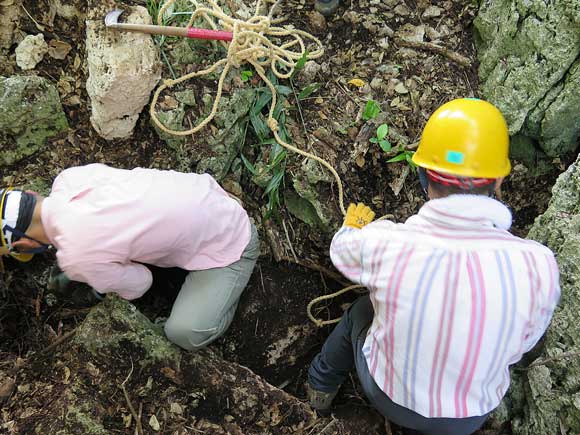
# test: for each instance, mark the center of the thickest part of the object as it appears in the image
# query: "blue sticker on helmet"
(455, 157)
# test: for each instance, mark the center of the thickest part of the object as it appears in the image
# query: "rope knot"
(273, 124)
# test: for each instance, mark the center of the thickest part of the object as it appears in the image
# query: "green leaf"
(259, 125)
(374, 140)
(308, 90)
(274, 183)
(261, 102)
(246, 75)
(300, 64)
(248, 165)
(398, 158)
(279, 157)
(283, 90)
(382, 131)
(385, 145)
(372, 109)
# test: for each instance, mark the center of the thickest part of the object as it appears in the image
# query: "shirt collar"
(467, 211)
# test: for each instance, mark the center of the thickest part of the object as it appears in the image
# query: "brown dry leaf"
(6, 389)
(6, 2)
(93, 371)
(66, 375)
(360, 161)
(171, 375)
(58, 49)
(322, 115)
(73, 100)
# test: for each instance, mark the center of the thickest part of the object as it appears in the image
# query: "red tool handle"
(217, 35)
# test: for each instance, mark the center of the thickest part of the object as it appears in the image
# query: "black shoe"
(319, 400)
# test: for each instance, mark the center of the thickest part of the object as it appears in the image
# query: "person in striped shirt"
(454, 298)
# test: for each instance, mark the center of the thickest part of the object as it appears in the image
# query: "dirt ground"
(356, 48)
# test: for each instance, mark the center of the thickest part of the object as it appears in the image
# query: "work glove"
(357, 216)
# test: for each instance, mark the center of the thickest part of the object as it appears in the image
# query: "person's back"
(97, 214)
(454, 298)
(457, 299)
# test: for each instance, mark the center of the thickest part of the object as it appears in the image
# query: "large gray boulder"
(529, 68)
(546, 396)
(30, 113)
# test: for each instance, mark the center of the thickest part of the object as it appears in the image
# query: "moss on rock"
(116, 327)
(529, 68)
(550, 395)
(30, 112)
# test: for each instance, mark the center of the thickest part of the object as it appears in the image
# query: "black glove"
(57, 280)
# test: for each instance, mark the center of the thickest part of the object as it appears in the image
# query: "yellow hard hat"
(467, 137)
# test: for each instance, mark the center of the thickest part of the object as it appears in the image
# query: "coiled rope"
(252, 44)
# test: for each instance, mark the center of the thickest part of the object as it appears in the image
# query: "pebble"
(311, 68)
(31, 51)
(317, 22)
(384, 43)
(402, 10)
(432, 12)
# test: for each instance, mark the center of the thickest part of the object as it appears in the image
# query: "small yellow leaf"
(357, 82)
(66, 375)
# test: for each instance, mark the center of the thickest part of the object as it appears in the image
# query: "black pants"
(342, 351)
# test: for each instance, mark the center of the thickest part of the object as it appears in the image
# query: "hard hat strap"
(466, 183)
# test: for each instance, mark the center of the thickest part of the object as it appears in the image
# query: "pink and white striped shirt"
(457, 300)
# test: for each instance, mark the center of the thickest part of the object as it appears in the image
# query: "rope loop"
(252, 43)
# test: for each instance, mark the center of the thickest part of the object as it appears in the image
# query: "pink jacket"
(105, 222)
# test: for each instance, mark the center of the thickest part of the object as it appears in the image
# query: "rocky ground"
(78, 387)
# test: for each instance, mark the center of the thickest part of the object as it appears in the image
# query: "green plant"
(371, 110)
(381, 138)
(274, 170)
(246, 75)
(404, 155)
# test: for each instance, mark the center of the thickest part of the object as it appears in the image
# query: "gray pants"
(207, 301)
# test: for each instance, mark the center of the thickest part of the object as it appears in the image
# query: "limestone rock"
(549, 395)
(529, 68)
(124, 68)
(30, 112)
(31, 51)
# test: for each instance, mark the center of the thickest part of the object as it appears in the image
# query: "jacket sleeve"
(129, 280)
(345, 252)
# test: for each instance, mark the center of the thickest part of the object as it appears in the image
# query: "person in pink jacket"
(107, 224)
